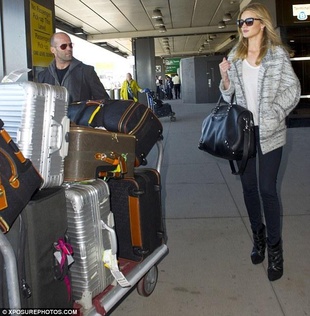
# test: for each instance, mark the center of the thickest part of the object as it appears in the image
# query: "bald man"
(80, 80)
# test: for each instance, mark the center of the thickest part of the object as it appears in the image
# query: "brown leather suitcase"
(121, 116)
(97, 153)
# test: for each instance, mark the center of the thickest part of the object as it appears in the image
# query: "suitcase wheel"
(147, 284)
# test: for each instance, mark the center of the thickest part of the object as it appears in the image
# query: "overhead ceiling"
(191, 25)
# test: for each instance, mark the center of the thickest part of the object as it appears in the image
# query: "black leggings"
(268, 167)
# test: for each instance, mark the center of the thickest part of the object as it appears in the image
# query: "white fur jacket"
(278, 94)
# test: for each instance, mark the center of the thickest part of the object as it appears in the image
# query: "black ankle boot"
(275, 261)
(258, 251)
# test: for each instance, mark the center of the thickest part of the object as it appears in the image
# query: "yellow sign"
(41, 21)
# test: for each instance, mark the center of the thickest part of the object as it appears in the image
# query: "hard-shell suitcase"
(136, 205)
(92, 153)
(88, 204)
(34, 237)
(121, 116)
(35, 115)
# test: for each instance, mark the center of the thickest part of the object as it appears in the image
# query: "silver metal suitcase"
(35, 115)
(88, 203)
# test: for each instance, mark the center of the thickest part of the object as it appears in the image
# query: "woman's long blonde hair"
(270, 37)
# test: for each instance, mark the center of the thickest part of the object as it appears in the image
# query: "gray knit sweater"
(278, 94)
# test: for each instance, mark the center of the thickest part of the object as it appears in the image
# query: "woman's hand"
(224, 67)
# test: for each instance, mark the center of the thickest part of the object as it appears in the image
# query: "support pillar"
(144, 52)
(14, 40)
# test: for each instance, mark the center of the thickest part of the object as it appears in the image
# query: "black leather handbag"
(228, 133)
(18, 180)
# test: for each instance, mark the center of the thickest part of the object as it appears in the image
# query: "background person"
(169, 87)
(176, 86)
(80, 80)
(130, 89)
(259, 72)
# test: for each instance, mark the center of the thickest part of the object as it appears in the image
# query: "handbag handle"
(14, 182)
(218, 104)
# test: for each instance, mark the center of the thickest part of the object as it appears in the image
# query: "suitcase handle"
(113, 238)
(59, 137)
(96, 102)
(65, 137)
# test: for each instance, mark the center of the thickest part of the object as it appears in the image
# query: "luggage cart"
(140, 275)
(11, 272)
(158, 107)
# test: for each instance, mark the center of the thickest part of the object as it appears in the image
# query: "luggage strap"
(246, 146)
(114, 159)
(110, 260)
(94, 114)
(100, 104)
(66, 251)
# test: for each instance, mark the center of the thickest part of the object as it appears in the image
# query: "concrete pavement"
(208, 270)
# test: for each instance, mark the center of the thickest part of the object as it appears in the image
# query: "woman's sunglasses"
(64, 46)
(248, 22)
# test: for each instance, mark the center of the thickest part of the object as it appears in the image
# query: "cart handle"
(11, 272)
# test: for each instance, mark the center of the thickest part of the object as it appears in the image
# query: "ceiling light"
(212, 36)
(78, 31)
(162, 29)
(221, 25)
(157, 14)
(159, 22)
(104, 44)
(116, 50)
(227, 17)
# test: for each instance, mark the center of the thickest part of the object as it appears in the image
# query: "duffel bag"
(18, 180)
(120, 116)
